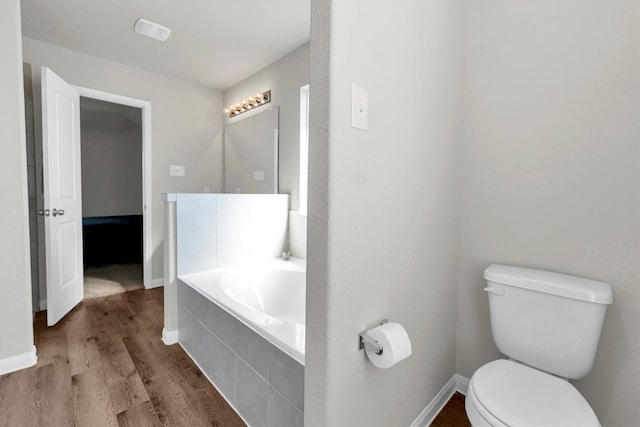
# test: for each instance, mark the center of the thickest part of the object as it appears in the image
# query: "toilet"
(548, 325)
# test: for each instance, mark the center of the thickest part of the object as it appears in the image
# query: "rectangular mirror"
(251, 154)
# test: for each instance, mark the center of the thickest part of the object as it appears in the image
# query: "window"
(304, 148)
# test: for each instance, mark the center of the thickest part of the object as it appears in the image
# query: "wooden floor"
(453, 414)
(104, 364)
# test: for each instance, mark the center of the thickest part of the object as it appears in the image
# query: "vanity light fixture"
(248, 103)
(151, 29)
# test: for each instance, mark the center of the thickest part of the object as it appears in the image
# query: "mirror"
(251, 154)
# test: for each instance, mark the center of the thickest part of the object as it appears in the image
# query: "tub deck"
(276, 313)
(247, 342)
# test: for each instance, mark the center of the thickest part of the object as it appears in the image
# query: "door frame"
(147, 206)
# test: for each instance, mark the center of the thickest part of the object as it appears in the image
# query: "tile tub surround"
(263, 384)
(222, 230)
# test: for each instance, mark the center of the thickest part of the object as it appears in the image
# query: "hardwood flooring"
(453, 414)
(104, 364)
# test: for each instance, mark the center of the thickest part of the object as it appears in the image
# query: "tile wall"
(298, 234)
(222, 230)
(262, 383)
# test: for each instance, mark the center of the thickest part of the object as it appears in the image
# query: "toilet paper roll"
(395, 345)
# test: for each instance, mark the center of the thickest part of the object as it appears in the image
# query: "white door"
(62, 195)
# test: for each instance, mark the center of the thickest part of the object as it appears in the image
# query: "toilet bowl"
(504, 393)
(549, 326)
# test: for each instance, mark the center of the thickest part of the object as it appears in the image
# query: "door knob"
(43, 212)
(57, 212)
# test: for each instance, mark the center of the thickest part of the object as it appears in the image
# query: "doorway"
(117, 242)
(66, 259)
(111, 159)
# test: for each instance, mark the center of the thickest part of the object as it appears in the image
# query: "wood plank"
(127, 393)
(453, 414)
(148, 363)
(142, 415)
(53, 386)
(52, 344)
(125, 385)
(83, 353)
(170, 403)
(105, 364)
(91, 401)
(40, 396)
(120, 313)
(15, 386)
(204, 401)
(114, 357)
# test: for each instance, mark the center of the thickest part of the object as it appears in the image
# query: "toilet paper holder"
(367, 342)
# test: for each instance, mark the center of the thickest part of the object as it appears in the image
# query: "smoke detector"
(151, 29)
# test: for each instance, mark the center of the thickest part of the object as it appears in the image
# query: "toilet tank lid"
(550, 283)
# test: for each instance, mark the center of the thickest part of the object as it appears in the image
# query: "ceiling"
(105, 116)
(216, 43)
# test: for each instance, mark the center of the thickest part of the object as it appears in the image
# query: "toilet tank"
(547, 320)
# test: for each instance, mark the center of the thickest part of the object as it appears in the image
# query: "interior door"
(62, 195)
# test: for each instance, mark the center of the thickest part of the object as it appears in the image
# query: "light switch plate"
(359, 107)
(176, 170)
(258, 175)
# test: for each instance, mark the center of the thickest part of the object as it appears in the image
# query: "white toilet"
(549, 325)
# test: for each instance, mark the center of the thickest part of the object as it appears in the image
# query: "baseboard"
(19, 361)
(455, 383)
(43, 304)
(462, 383)
(156, 283)
(169, 337)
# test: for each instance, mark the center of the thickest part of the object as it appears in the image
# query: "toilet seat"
(478, 414)
(505, 393)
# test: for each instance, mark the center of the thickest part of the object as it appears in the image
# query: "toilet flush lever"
(498, 290)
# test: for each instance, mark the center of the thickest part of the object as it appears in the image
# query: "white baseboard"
(43, 304)
(462, 384)
(156, 283)
(169, 337)
(456, 383)
(19, 361)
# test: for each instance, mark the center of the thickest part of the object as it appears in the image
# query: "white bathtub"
(269, 297)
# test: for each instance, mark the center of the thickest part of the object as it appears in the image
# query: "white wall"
(111, 172)
(383, 205)
(284, 77)
(551, 173)
(16, 331)
(186, 122)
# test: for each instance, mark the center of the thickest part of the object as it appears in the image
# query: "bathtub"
(244, 327)
(268, 296)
